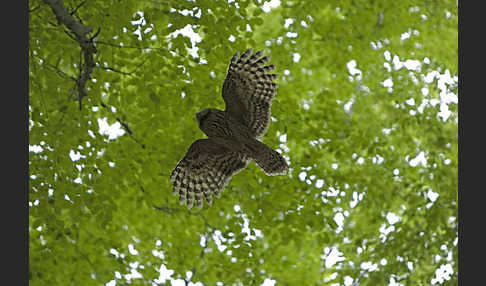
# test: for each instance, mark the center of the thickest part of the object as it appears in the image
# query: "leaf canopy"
(366, 114)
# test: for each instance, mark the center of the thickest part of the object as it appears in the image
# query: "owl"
(233, 134)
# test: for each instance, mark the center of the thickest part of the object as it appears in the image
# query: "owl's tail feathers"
(271, 162)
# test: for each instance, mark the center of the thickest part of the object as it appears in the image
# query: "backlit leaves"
(366, 112)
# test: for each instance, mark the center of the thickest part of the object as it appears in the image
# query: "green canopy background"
(366, 114)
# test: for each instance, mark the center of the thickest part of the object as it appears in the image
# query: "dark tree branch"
(77, 7)
(95, 34)
(125, 126)
(64, 17)
(80, 33)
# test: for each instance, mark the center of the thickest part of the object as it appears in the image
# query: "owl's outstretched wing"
(205, 170)
(248, 90)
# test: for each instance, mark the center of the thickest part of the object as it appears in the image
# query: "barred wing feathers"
(204, 171)
(248, 90)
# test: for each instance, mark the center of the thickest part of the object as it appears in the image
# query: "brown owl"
(233, 134)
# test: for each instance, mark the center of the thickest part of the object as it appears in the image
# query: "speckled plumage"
(233, 134)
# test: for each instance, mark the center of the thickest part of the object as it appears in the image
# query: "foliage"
(101, 207)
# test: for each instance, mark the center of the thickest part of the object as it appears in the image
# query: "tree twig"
(125, 126)
(77, 7)
(132, 47)
(116, 70)
(164, 209)
(55, 69)
(205, 246)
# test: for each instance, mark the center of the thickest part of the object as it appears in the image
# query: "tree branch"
(80, 32)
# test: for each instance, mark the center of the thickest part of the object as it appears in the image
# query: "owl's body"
(233, 134)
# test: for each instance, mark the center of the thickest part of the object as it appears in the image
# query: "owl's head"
(203, 115)
(209, 119)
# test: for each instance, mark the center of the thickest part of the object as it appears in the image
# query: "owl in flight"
(233, 134)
